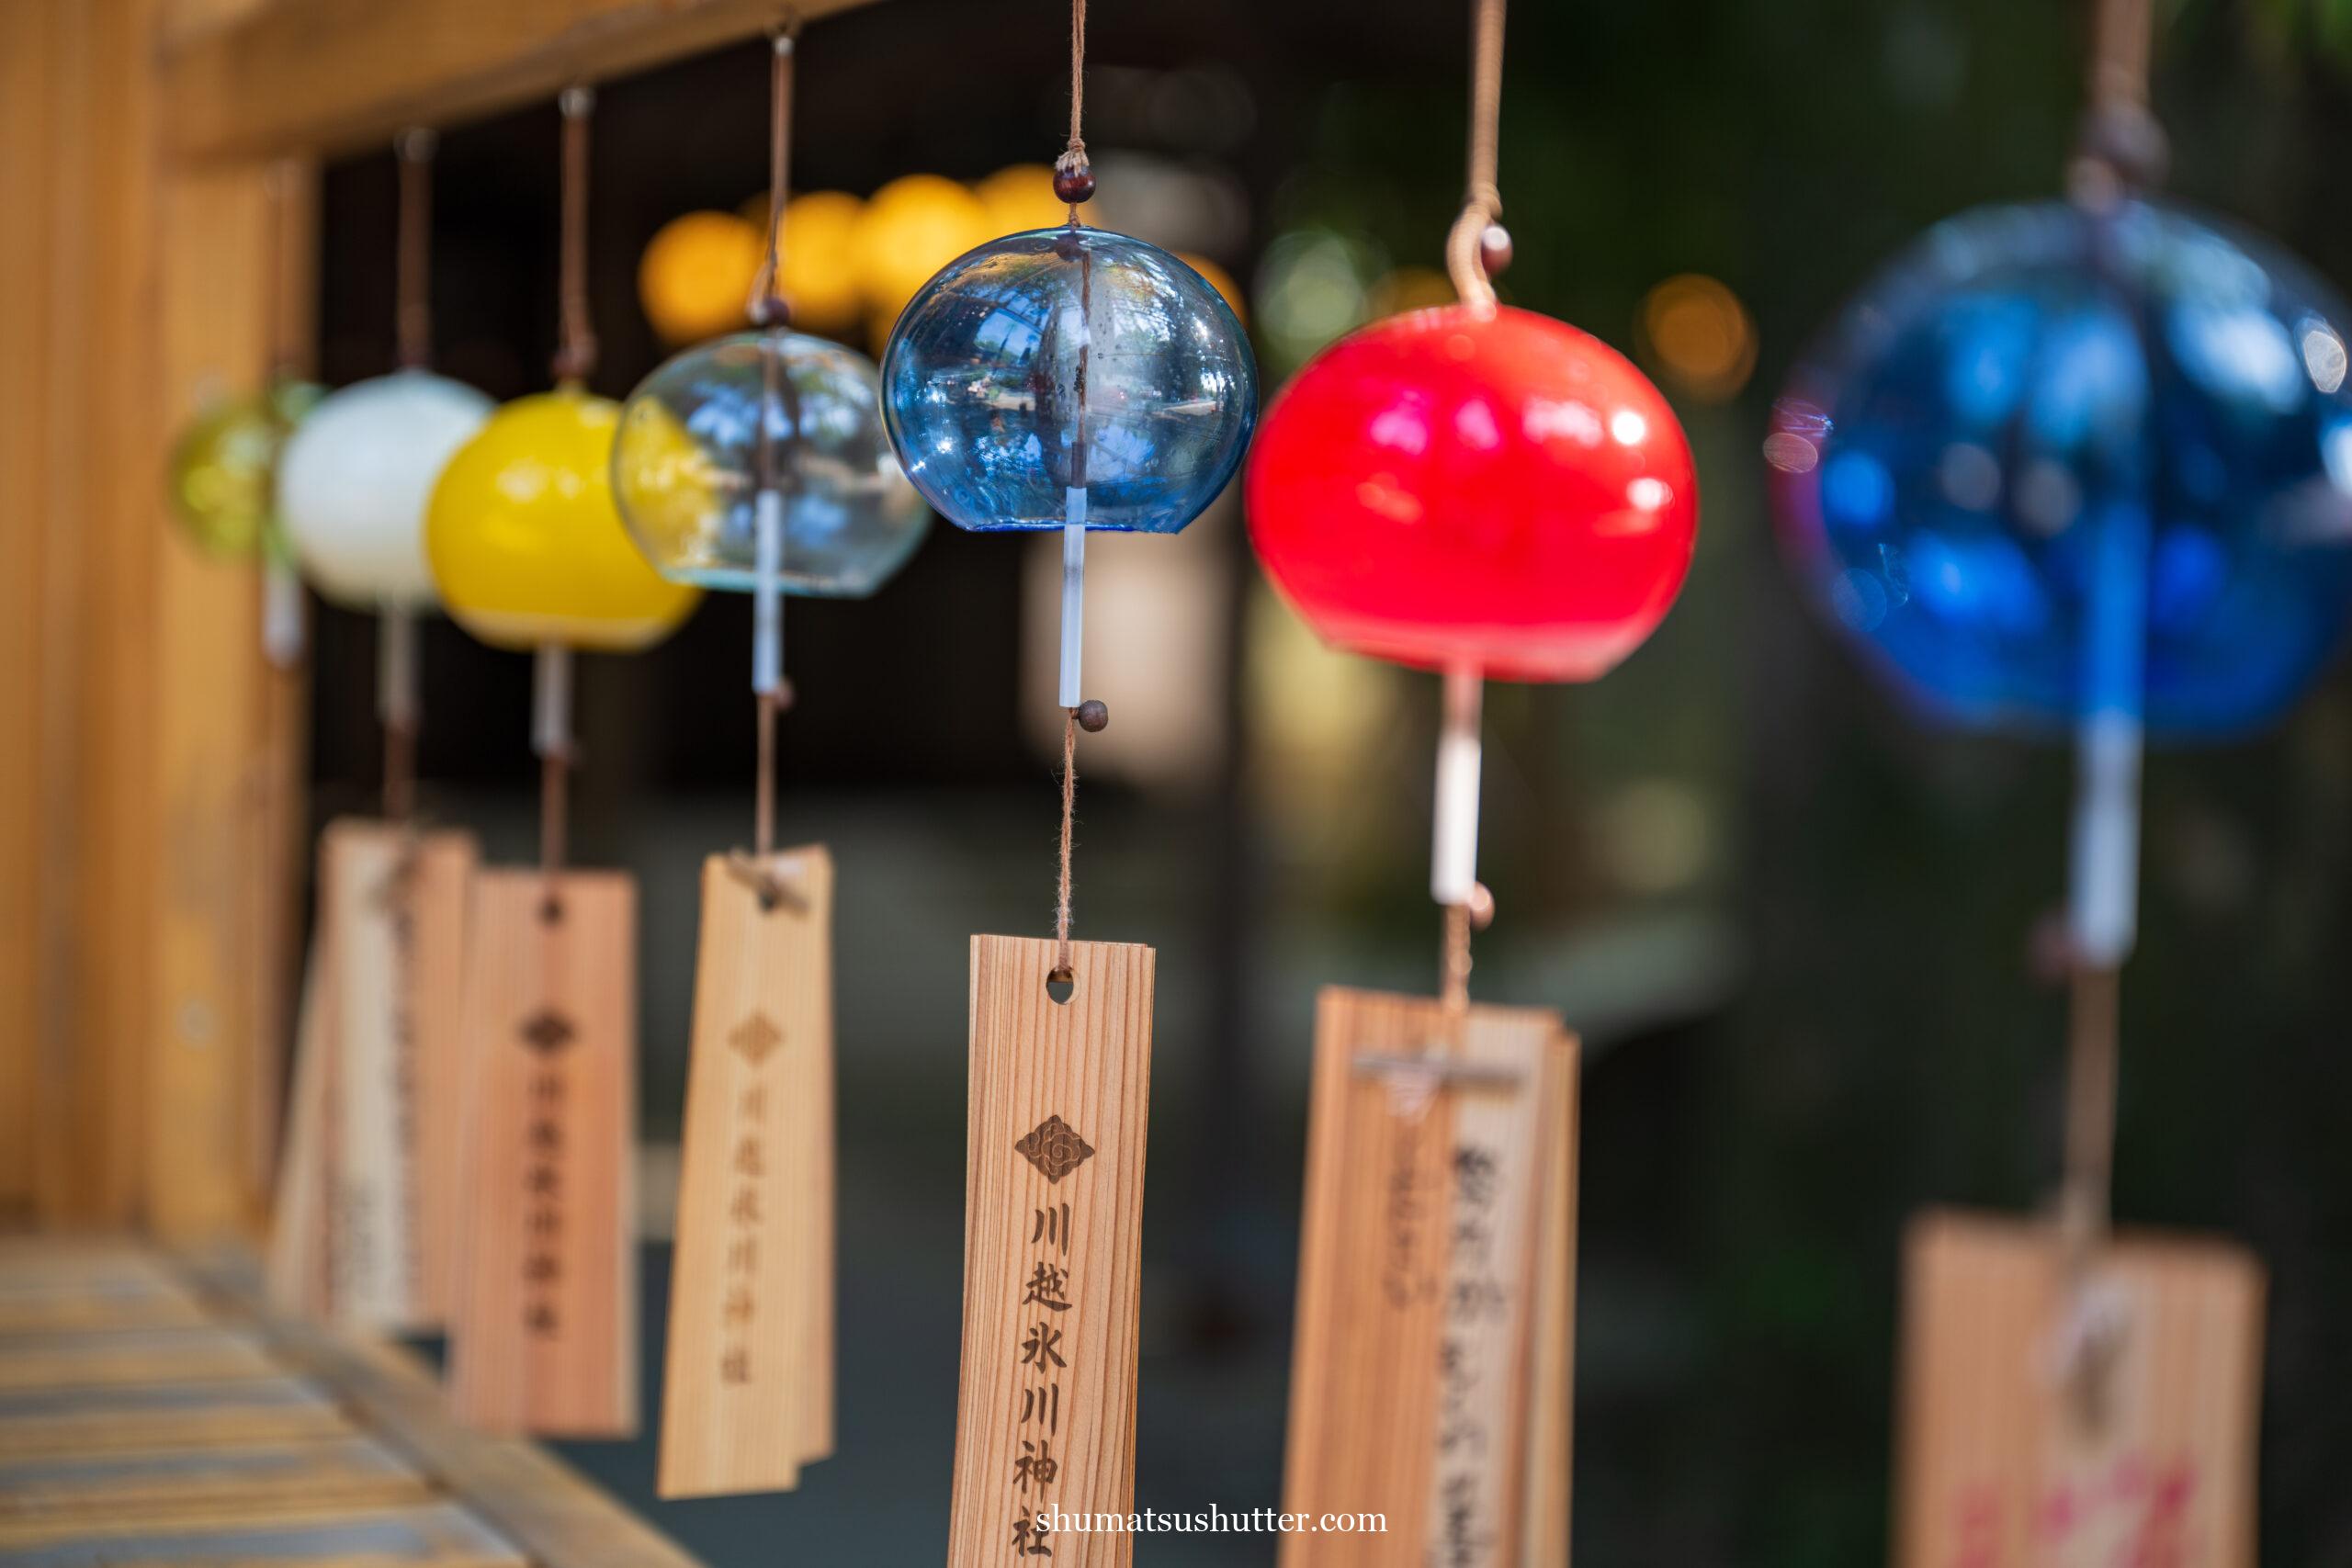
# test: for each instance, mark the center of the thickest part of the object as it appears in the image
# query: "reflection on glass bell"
(525, 544)
(686, 468)
(354, 480)
(223, 469)
(2053, 463)
(1066, 360)
(1489, 491)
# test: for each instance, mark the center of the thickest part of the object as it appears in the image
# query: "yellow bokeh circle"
(697, 273)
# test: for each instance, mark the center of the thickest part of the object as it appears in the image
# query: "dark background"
(1792, 925)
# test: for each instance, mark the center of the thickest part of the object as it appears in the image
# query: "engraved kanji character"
(1046, 1287)
(1042, 1346)
(745, 1208)
(735, 1366)
(1044, 1405)
(1052, 1227)
(1036, 1460)
(1029, 1537)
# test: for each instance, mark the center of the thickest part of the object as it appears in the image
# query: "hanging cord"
(1477, 248)
(2121, 148)
(1073, 174)
(769, 311)
(575, 357)
(1074, 183)
(396, 683)
(413, 318)
(2120, 145)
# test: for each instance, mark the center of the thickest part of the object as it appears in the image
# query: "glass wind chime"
(530, 553)
(759, 463)
(223, 471)
(368, 1203)
(1489, 494)
(2077, 468)
(1063, 379)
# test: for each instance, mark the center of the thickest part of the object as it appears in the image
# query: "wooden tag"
(748, 1398)
(2000, 1465)
(296, 1271)
(1053, 1221)
(1429, 1381)
(543, 1336)
(393, 920)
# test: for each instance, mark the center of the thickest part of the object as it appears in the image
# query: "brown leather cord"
(575, 357)
(412, 314)
(768, 306)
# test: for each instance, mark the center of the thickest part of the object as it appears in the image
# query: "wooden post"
(150, 791)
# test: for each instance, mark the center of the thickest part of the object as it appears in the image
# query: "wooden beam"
(323, 77)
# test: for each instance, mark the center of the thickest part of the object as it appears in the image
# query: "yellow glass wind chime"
(530, 554)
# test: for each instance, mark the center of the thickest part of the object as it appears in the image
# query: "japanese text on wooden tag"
(543, 1334)
(1053, 1219)
(749, 1394)
(2008, 1461)
(393, 909)
(1430, 1379)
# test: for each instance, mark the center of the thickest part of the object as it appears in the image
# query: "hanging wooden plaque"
(295, 1271)
(393, 921)
(1053, 1221)
(1430, 1379)
(543, 1334)
(748, 1398)
(2006, 1458)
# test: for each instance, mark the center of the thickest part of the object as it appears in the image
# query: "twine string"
(1073, 159)
(1483, 199)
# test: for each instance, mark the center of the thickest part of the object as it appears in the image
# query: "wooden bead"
(1074, 185)
(1493, 250)
(1093, 716)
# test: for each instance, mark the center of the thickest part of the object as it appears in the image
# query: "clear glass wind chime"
(759, 462)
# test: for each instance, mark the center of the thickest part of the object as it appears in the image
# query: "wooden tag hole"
(551, 911)
(1060, 983)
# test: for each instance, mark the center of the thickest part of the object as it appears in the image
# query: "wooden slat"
(1999, 1460)
(527, 1495)
(1053, 1220)
(749, 1396)
(53, 1312)
(349, 1472)
(277, 1535)
(324, 75)
(110, 1419)
(206, 1354)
